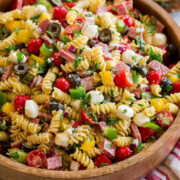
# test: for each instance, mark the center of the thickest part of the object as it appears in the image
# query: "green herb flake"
(155, 56)
(178, 75)
(50, 34)
(78, 60)
(114, 9)
(112, 120)
(2, 99)
(81, 50)
(65, 39)
(103, 164)
(2, 126)
(76, 32)
(135, 76)
(124, 111)
(89, 14)
(140, 42)
(16, 30)
(97, 65)
(19, 56)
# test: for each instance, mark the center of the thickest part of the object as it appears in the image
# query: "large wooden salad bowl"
(130, 169)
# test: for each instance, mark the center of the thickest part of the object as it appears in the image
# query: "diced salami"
(136, 132)
(7, 72)
(108, 149)
(102, 125)
(35, 120)
(159, 27)
(39, 81)
(132, 33)
(54, 163)
(101, 10)
(49, 40)
(45, 126)
(43, 24)
(137, 92)
(121, 8)
(157, 66)
(87, 82)
(119, 67)
(82, 74)
(67, 55)
(16, 144)
(136, 13)
(45, 115)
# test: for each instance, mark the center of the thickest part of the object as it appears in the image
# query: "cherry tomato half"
(36, 159)
(128, 20)
(71, 28)
(123, 153)
(63, 84)
(123, 79)
(85, 117)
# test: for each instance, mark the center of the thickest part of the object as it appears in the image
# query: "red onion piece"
(71, 49)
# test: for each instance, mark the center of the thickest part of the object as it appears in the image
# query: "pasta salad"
(83, 84)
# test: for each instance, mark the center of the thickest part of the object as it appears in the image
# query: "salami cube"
(87, 82)
(119, 67)
(108, 149)
(16, 144)
(136, 132)
(43, 24)
(74, 166)
(101, 10)
(159, 27)
(39, 81)
(102, 125)
(35, 120)
(49, 41)
(121, 8)
(67, 55)
(54, 163)
(157, 66)
(132, 33)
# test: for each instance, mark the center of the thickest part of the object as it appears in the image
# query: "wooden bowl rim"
(4, 161)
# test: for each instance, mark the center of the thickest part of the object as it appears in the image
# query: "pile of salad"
(83, 83)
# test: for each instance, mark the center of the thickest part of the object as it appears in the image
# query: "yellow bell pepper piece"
(158, 104)
(107, 78)
(44, 15)
(37, 59)
(65, 123)
(174, 78)
(23, 36)
(8, 108)
(11, 25)
(88, 144)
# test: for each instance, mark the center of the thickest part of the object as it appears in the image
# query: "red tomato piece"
(129, 5)
(59, 12)
(154, 77)
(146, 133)
(176, 87)
(76, 124)
(128, 20)
(70, 4)
(36, 159)
(19, 102)
(165, 54)
(164, 119)
(171, 66)
(123, 79)
(102, 160)
(85, 117)
(63, 84)
(69, 29)
(123, 153)
(34, 45)
(56, 59)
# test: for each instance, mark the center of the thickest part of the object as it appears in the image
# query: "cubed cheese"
(159, 39)
(62, 139)
(96, 97)
(130, 57)
(31, 109)
(90, 30)
(140, 118)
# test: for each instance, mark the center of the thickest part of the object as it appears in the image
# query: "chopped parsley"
(77, 32)
(16, 30)
(2, 99)
(112, 92)
(65, 39)
(12, 47)
(78, 61)
(50, 34)
(4, 32)
(2, 126)
(89, 14)
(19, 56)
(124, 111)
(140, 42)
(151, 29)
(141, 105)
(178, 75)
(112, 120)
(155, 56)
(135, 76)
(103, 164)
(97, 65)
(93, 115)
(81, 50)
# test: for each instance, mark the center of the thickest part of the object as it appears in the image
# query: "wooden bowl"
(130, 169)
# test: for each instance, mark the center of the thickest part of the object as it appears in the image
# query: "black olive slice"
(166, 85)
(105, 35)
(172, 50)
(91, 43)
(55, 106)
(53, 29)
(21, 68)
(56, 2)
(143, 71)
(74, 79)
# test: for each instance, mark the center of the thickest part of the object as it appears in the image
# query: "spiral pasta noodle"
(4, 61)
(123, 141)
(41, 98)
(140, 105)
(156, 90)
(172, 108)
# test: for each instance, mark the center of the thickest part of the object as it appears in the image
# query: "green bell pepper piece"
(111, 133)
(19, 156)
(79, 93)
(46, 50)
(151, 125)
(45, 3)
(120, 25)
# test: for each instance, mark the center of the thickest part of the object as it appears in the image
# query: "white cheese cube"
(159, 39)
(31, 109)
(96, 97)
(140, 119)
(90, 30)
(130, 57)
(74, 166)
(62, 139)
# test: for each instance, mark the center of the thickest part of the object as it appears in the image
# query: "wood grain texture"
(130, 169)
